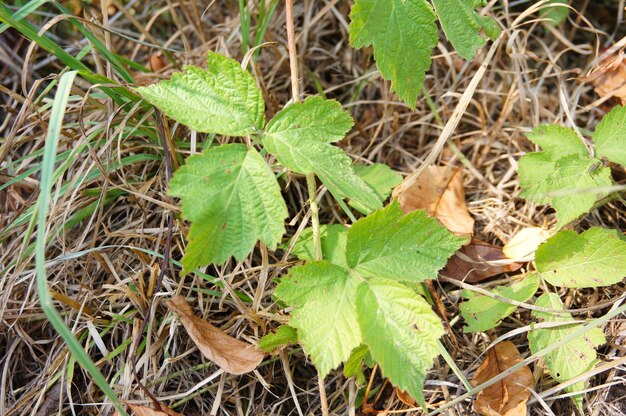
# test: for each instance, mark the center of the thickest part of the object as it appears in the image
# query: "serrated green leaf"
(380, 178)
(483, 312)
(232, 199)
(401, 331)
(556, 14)
(463, 26)
(403, 34)
(571, 359)
(389, 244)
(597, 257)
(325, 313)
(284, 335)
(610, 136)
(333, 238)
(224, 99)
(300, 136)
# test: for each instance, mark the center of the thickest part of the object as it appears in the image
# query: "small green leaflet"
(463, 25)
(300, 136)
(354, 364)
(572, 359)
(232, 199)
(410, 248)
(551, 10)
(404, 32)
(483, 312)
(284, 335)
(380, 177)
(401, 331)
(339, 307)
(325, 314)
(597, 257)
(610, 136)
(224, 99)
(563, 174)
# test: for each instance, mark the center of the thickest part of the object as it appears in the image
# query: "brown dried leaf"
(148, 411)
(405, 397)
(230, 354)
(525, 242)
(609, 77)
(439, 191)
(478, 261)
(507, 397)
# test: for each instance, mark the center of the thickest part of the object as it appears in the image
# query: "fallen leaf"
(157, 62)
(405, 397)
(439, 191)
(507, 397)
(230, 354)
(609, 77)
(148, 411)
(478, 261)
(525, 242)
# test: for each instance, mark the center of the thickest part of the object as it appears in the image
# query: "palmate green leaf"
(300, 136)
(463, 25)
(224, 99)
(483, 312)
(325, 316)
(403, 34)
(597, 257)
(571, 359)
(232, 199)
(562, 175)
(380, 178)
(389, 244)
(401, 332)
(610, 136)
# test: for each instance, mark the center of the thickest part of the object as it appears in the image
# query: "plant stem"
(315, 217)
(293, 56)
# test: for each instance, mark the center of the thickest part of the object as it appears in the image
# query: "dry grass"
(108, 229)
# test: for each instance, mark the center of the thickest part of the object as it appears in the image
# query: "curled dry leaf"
(525, 242)
(405, 397)
(478, 261)
(439, 191)
(230, 354)
(161, 410)
(609, 77)
(508, 396)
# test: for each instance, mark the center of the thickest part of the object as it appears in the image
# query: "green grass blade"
(24, 11)
(43, 202)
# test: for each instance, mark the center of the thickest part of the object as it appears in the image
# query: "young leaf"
(354, 364)
(380, 178)
(224, 99)
(230, 354)
(463, 25)
(325, 316)
(389, 244)
(597, 257)
(401, 331)
(300, 136)
(403, 33)
(333, 244)
(507, 397)
(556, 14)
(232, 199)
(483, 312)
(572, 359)
(610, 136)
(284, 335)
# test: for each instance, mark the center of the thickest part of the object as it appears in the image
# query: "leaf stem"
(315, 217)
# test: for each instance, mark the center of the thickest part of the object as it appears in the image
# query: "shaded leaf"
(283, 336)
(222, 99)
(439, 191)
(389, 244)
(325, 315)
(401, 331)
(572, 359)
(354, 364)
(555, 13)
(232, 199)
(508, 396)
(228, 353)
(610, 136)
(478, 261)
(300, 136)
(597, 257)
(380, 178)
(482, 312)
(463, 26)
(525, 242)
